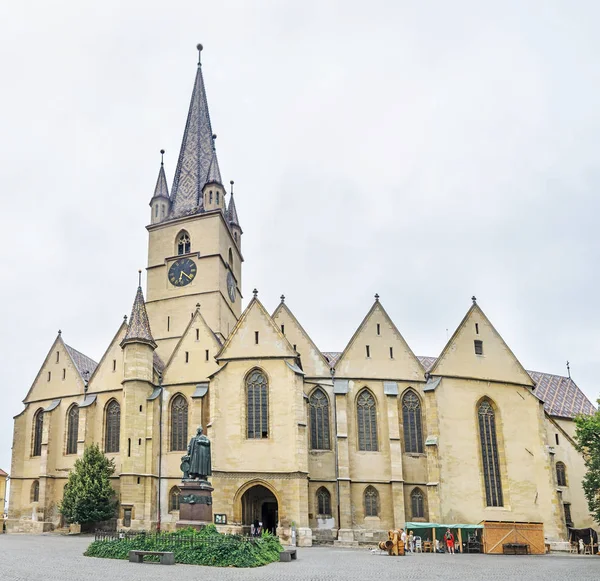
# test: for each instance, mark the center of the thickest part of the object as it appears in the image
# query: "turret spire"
(138, 330)
(197, 163)
(232, 215)
(162, 189)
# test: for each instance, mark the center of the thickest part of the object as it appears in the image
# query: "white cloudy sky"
(423, 150)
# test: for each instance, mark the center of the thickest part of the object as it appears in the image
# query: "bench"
(166, 557)
(515, 549)
(287, 555)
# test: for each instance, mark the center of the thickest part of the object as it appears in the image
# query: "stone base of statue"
(195, 504)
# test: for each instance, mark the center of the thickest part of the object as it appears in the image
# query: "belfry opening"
(259, 505)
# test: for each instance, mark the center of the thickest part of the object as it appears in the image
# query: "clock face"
(182, 272)
(231, 286)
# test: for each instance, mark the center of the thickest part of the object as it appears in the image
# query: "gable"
(378, 350)
(193, 359)
(109, 373)
(242, 342)
(58, 376)
(313, 362)
(497, 363)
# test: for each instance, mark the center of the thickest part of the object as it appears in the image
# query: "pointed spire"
(138, 330)
(162, 189)
(214, 173)
(232, 215)
(197, 162)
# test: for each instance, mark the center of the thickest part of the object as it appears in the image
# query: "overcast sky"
(426, 151)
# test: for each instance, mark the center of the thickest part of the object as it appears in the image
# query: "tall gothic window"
(257, 405)
(367, 421)
(184, 244)
(35, 491)
(323, 501)
(72, 429)
(179, 423)
(319, 420)
(112, 427)
(489, 455)
(38, 428)
(371, 501)
(417, 503)
(561, 474)
(174, 499)
(411, 417)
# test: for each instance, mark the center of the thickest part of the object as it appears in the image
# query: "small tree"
(587, 436)
(88, 496)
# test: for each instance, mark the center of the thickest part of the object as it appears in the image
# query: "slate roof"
(83, 363)
(232, 215)
(560, 395)
(138, 328)
(157, 362)
(162, 189)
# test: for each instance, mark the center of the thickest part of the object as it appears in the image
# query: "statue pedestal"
(195, 504)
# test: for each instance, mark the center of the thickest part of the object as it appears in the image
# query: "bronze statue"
(196, 464)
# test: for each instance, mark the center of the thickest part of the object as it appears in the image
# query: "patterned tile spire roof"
(138, 329)
(232, 215)
(85, 365)
(162, 189)
(197, 163)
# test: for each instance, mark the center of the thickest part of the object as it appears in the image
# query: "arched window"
(489, 455)
(319, 420)
(417, 503)
(38, 428)
(179, 423)
(323, 501)
(174, 499)
(35, 491)
(561, 474)
(235, 236)
(231, 259)
(184, 244)
(112, 427)
(371, 501)
(257, 405)
(367, 421)
(411, 417)
(72, 429)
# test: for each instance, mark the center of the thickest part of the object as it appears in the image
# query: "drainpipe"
(160, 443)
(337, 462)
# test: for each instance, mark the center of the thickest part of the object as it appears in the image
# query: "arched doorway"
(259, 505)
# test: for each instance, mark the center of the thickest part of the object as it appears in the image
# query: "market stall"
(467, 537)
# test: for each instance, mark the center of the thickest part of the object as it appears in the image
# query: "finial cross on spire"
(231, 183)
(162, 157)
(255, 293)
(199, 47)
(282, 297)
(376, 297)
(474, 299)
(569, 369)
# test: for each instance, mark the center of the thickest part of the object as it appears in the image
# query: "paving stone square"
(53, 557)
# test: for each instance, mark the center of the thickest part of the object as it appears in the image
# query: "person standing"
(411, 542)
(449, 538)
(403, 538)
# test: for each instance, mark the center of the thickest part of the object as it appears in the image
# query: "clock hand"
(179, 279)
(185, 274)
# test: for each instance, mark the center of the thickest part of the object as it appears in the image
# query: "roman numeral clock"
(182, 272)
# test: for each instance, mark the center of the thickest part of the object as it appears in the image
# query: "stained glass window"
(489, 455)
(257, 405)
(561, 474)
(174, 499)
(367, 421)
(417, 503)
(183, 243)
(319, 420)
(113, 427)
(179, 423)
(35, 491)
(38, 428)
(371, 501)
(324, 501)
(411, 417)
(72, 429)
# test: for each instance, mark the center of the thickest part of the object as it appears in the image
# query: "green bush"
(205, 547)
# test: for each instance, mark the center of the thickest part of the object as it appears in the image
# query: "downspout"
(337, 462)
(160, 443)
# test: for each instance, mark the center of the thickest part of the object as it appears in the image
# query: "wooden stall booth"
(504, 537)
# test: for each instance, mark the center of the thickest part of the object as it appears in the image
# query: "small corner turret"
(160, 202)
(231, 216)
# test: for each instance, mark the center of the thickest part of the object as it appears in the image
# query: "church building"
(334, 445)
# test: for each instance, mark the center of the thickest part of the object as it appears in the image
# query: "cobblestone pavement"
(52, 557)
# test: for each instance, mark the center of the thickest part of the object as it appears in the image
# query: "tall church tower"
(194, 248)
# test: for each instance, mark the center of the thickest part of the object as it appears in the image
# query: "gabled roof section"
(497, 363)
(197, 163)
(161, 189)
(427, 362)
(138, 330)
(379, 333)
(241, 343)
(561, 396)
(314, 363)
(85, 365)
(2, 473)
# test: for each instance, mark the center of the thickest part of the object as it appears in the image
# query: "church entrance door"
(259, 505)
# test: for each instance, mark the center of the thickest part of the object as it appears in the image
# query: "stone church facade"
(340, 445)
